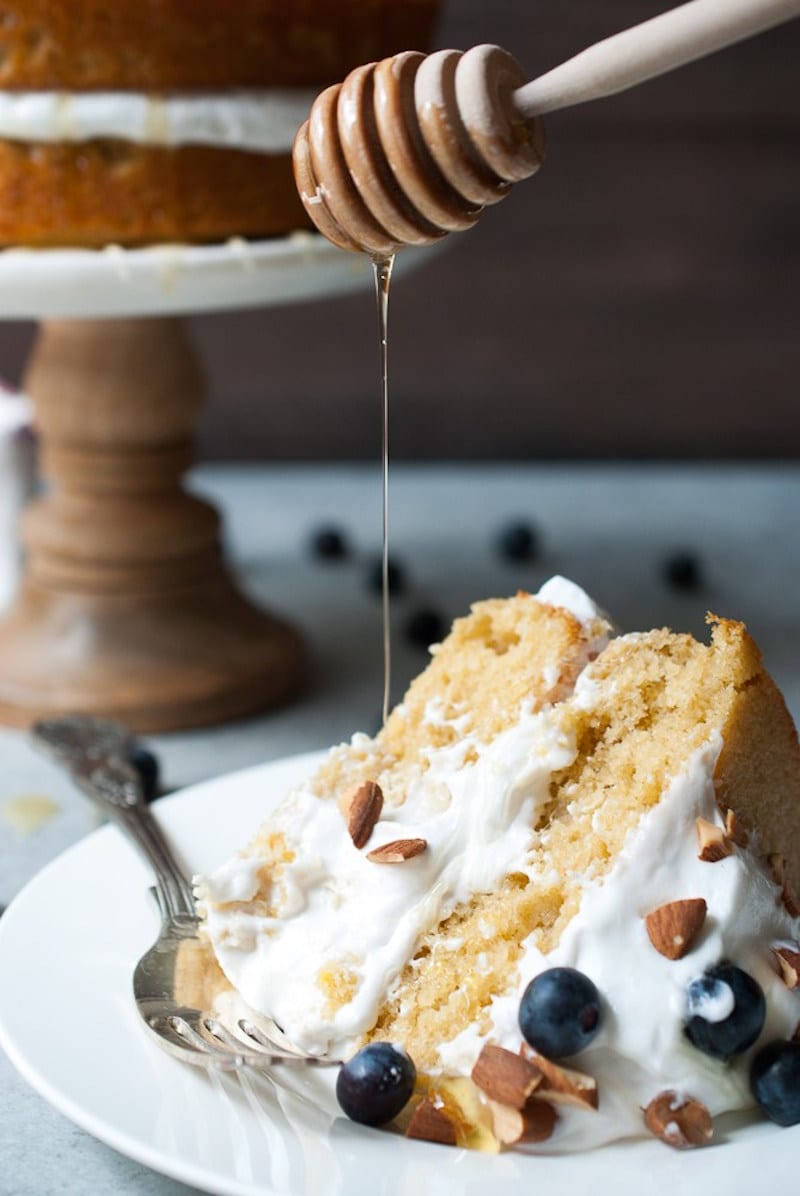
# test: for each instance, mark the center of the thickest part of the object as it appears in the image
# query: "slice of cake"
(546, 797)
(167, 120)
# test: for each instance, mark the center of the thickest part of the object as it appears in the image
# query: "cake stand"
(126, 607)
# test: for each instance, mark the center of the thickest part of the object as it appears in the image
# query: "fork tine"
(257, 1035)
(202, 1038)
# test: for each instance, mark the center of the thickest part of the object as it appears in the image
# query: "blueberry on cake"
(560, 880)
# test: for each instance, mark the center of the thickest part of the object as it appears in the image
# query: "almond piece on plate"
(714, 843)
(534, 1123)
(561, 1085)
(505, 1077)
(673, 928)
(361, 809)
(398, 851)
(683, 1123)
(432, 1123)
(789, 963)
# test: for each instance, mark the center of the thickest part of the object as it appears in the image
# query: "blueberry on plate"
(775, 1081)
(725, 1011)
(329, 544)
(682, 571)
(518, 541)
(425, 627)
(559, 1013)
(375, 1084)
(146, 764)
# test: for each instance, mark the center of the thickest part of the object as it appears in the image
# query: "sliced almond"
(678, 1122)
(432, 1123)
(673, 928)
(397, 851)
(714, 843)
(735, 830)
(361, 809)
(534, 1123)
(789, 963)
(505, 1077)
(561, 1085)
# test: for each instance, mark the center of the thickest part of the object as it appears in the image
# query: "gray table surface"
(609, 528)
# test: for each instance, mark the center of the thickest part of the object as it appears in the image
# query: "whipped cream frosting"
(477, 821)
(261, 121)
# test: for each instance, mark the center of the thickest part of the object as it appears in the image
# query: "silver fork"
(95, 751)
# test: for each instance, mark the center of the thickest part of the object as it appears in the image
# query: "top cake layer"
(182, 44)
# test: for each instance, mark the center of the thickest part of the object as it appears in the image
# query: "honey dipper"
(411, 148)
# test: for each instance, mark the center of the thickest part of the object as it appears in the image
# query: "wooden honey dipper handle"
(413, 147)
(670, 40)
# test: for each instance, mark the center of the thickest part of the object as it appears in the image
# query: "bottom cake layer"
(110, 191)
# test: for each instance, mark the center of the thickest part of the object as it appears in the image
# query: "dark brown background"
(638, 298)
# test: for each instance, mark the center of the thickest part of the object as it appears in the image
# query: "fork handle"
(172, 884)
(115, 787)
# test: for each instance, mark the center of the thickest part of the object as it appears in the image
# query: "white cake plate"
(178, 279)
(126, 608)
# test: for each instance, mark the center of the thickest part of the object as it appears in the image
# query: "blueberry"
(682, 571)
(425, 627)
(518, 542)
(775, 1081)
(329, 543)
(725, 1010)
(375, 1084)
(395, 578)
(559, 1013)
(147, 766)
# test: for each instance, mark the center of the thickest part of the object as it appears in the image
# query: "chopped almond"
(533, 1123)
(432, 1123)
(714, 843)
(777, 867)
(678, 1122)
(561, 1085)
(673, 928)
(735, 830)
(398, 851)
(361, 809)
(789, 963)
(505, 1077)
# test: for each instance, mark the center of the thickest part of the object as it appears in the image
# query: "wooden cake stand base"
(126, 608)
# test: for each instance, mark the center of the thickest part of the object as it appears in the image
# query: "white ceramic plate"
(68, 944)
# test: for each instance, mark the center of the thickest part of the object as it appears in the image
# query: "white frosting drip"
(561, 592)
(641, 1050)
(262, 121)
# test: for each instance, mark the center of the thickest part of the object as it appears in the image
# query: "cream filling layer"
(261, 121)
